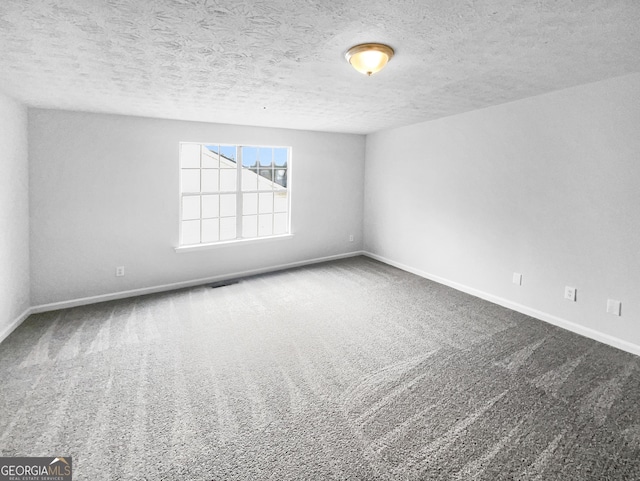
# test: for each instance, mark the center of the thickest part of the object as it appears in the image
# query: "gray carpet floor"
(344, 370)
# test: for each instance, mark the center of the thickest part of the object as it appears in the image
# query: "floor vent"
(230, 282)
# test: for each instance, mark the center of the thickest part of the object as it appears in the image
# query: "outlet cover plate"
(570, 293)
(614, 307)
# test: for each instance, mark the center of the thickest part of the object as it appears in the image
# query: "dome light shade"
(369, 58)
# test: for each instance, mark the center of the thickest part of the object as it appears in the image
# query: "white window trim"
(278, 237)
(235, 242)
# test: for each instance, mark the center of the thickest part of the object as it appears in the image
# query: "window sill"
(235, 242)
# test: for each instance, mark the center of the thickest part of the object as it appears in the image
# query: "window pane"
(280, 178)
(210, 206)
(190, 156)
(228, 180)
(280, 157)
(264, 183)
(190, 232)
(190, 180)
(265, 224)
(249, 180)
(249, 226)
(266, 156)
(228, 205)
(191, 207)
(210, 180)
(228, 228)
(280, 224)
(210, 230)
(265, 204)
(266, 176)
(280, 203)
(210, 160)
(249, 156)
(228, 159)
(249, 204)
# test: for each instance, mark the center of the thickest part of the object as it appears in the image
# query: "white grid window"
(232, 192)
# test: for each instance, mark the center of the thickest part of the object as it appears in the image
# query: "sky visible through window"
(253, 156)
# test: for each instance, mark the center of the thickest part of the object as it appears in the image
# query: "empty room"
(306, 240)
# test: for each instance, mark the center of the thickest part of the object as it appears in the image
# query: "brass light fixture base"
(369, 58)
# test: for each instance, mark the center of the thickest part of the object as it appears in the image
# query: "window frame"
(239, 194)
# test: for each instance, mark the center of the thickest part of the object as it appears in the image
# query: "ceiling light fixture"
(369, 58)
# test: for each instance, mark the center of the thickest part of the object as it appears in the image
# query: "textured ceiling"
(280, 62)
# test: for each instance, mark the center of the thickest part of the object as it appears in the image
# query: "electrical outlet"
(351, 238)
(120, 271)
(517, 279)
(614, 307)
(570, 293)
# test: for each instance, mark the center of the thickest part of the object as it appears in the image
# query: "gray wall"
(14, 214)
(104, 193)
(548, 187)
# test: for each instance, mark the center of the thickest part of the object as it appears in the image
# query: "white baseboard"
(514, 306)
(16, 322)
(178, 285)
